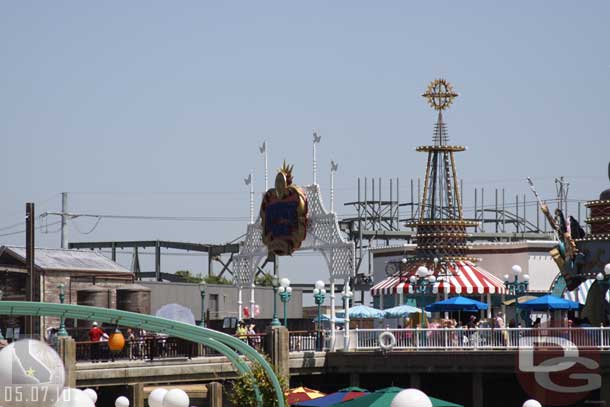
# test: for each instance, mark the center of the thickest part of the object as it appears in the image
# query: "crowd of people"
(247, 333)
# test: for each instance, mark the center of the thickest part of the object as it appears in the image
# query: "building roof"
(65, 260)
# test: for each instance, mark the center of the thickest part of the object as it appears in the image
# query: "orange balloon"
(116, 342)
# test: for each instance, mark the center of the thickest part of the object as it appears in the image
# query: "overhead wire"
(37, 228)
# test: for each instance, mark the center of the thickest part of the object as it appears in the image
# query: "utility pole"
(64, 220)
(32, 281)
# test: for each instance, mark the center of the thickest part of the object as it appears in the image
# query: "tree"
(217, 280)
(242, 390)
(188, 277)
(265, 280)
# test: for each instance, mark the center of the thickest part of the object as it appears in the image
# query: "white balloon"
(155, 398)
(28, 359)
(411, 398)
(532, 403)
(92, 394)
(121, 402)
(74, 398)
(176, 398)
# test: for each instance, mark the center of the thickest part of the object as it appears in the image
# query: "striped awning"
(466, 278)
(580, 294)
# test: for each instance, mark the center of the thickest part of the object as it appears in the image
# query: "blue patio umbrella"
(458, 303)
(326, 318)
(402, 311)
(364, 312)
(549, 303)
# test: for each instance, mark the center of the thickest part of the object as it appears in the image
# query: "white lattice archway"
(323, 235)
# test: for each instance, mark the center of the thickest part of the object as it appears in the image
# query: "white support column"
(332, 191)
(315, 180)
(316, 140)
(489, 305)
(332, 314)
(239, 304)
(400, 298)
(263, 150)
(346, 327)
(252, 198)
(333, 168)
(445, 296)
(252, 302)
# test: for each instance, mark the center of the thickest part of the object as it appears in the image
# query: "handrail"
(484, 338)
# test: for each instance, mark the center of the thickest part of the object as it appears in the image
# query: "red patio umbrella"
(302, 394)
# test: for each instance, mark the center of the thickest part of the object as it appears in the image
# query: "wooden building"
(78, 270)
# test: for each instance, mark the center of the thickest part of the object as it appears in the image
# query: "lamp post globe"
(532, 403)
(422, 271)
(411, 398)
(516, 287)
(121, 402)
(285, 295)
(607, 269)
(600, 277)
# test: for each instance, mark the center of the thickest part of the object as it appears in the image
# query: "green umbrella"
(384, 397)
(354, 388)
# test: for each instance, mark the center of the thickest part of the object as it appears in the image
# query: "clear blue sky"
(158, 107)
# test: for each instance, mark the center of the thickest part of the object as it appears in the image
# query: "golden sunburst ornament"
(440, 94)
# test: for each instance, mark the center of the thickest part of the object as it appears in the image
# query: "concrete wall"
(189, 295)
(533, 257)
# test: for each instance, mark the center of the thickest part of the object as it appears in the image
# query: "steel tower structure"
(441, 228)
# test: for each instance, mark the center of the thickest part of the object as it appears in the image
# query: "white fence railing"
(479, 338)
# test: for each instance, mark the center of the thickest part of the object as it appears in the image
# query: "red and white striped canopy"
(466, 279)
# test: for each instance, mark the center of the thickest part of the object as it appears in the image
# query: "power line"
(38, 228)
(14, 225)
(151, 217)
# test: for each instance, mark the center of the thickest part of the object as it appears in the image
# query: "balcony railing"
(480, 338)
(304, 341)
(143, 348)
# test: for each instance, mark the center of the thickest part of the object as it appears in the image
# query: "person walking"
(95, 336)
